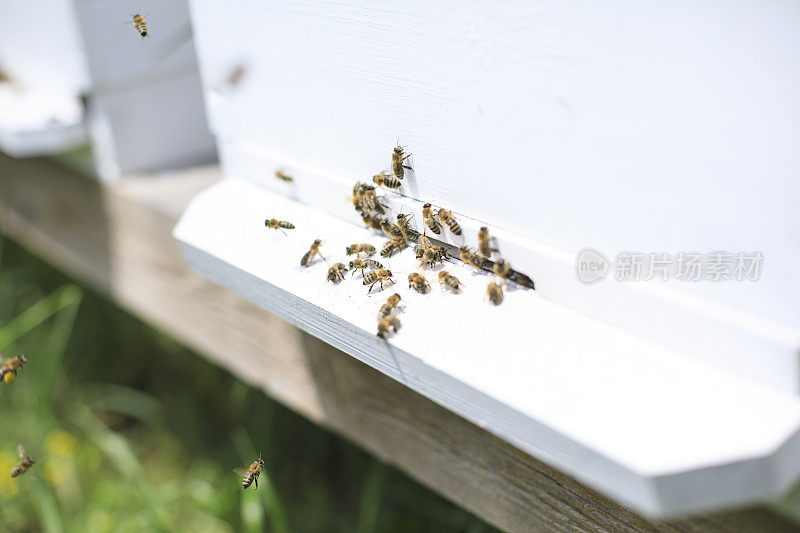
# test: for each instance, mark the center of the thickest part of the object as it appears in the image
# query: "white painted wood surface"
(659, 430)
(656, 127)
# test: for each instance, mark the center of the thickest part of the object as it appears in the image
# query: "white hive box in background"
(664, 128)
(144, 109)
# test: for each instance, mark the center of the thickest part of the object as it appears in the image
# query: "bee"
(447, 217)
(336, 272)
(363, 264)
(484, 242)
(430, 220)
(140, 23)
(391, 304)
(372, 222)
(387, 324)
(395, 243)
(25, 463)
(449, 281)
(409, 234)
(397, 162)
(429, 254)
(250, 474)
(418, 282)
(377, 276)
(356, 248)
(311, 253)
(471, 258)
(8, 369)
(386, 180)
(274, 223)
(390, 229)
(371, 199)
(283, 176)
(495, 292)
(502, 270)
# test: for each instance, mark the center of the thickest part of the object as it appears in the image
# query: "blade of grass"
(371, 498)
(269, 496)
(46, 503)
(62, 298)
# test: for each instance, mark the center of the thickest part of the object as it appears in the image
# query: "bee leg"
(256, 481)
(370, 287)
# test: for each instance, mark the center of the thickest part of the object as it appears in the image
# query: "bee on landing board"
(9, 368)
(430, 220)
(274, 223)
(377, 276)
(250, 474)
(450, 281)
(336, 272)
(418, 283)
(391, 304)
(140, 23)
(447, 217)
(25, 463)
(386, 180)
(408, 233)
(494, 291)
(363, 264)
(387, 325)
(311, 253)
(485, 242)
(396, 243)
(362, 247)
(398, 160)
(283, 176)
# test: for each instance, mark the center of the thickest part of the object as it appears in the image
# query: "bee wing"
(241, 471)
(20, 450)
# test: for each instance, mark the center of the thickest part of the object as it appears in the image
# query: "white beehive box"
(142, 104)
(665, 128)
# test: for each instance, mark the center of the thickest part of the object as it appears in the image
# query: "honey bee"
(274, 223)
(250, 474)
(484, 242)
(9, 368)
(356, 248)
(495, 292)
(430, 220)
(390, 229)
(377, 276)
(450, 281)
(418, 282)
(372, 222)
(311, 253)
(388, 324)
(397, 162)
(371, 199)
(140, 23)
(429, 254)
(386, 180)
(391, 304)
(471, 258)
(409, 234)
(336, 272)
(25, 463)
(283, 176)
(395, 243)
(502, 269)
(447, 217)
(363, 264)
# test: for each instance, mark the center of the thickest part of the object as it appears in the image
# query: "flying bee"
(388, 324)
(430, 220)
(447, 217)
(336, 272)
(9, 368)
(363, 264)
(391, 304)
(450, 281)
(418, 282)
(386, 180)
(484, 242)
(356, 248)
(274, 223)
(311, 253)
(495, 292)
(377, 276)
(25, 463)
(283, 176)
(398, 158)
(250, 474)
(140, 23)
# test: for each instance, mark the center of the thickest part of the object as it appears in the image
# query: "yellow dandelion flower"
(61, 443)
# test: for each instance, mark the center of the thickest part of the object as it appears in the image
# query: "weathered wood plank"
(117, 238)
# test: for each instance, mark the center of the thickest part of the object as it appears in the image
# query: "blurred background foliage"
(133, 432)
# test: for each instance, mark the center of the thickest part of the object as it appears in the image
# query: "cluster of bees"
(8, 373)
(367, 202)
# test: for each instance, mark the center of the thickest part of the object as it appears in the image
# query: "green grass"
(132, 432)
